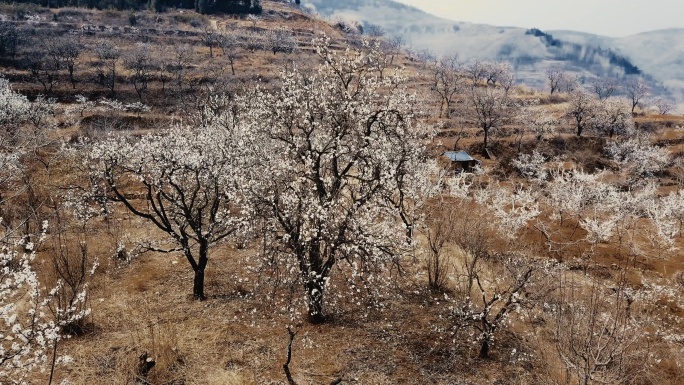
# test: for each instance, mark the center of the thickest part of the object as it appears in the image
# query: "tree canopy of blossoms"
(187, 181)
(346, 166)
(638, 157)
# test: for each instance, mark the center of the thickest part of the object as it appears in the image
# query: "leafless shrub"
(439, 232)
(598, 336)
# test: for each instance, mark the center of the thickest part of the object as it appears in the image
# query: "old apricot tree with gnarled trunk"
(346, 167)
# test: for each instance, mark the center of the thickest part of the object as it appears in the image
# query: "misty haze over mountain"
(658, 56)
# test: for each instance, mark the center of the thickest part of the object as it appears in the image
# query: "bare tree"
(499, 73)
(140, 61)
(71, 260)
(439, 229)
(570, 83)
(636, 91)
(427, 57)
(66, 50)
(663, 105)
(210, 38)
(582, 109)
(536, 121)
(108, 55)
(254, 19)
(375, 31)
(494, 291)
(598, 338)
(44, 67)
(613, 117)
(253, 41)
(477, 71)
(280, 40)
(447, 82)
(9, 39)
(213, 80)
(604, 87)
(391, 47)
(179, 66)
(491, 108)
(162, 65)
(230, 46)
(555, 77)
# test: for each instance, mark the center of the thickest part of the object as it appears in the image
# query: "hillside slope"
(492, 250)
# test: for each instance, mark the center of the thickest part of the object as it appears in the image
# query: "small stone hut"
(461, 161)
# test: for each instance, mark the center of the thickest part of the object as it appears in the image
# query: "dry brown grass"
(238, 335)
(145, 307)
(243, 341)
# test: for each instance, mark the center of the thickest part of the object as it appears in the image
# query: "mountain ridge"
(659, 53)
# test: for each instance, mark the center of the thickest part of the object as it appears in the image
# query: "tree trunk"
(484, 348)
(71, 78)
(286, 365)
(198, 285)
(314, 296)
(54, 362)
(198, 282)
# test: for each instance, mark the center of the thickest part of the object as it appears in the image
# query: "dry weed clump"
(147, 277)
(160, 343)
(679, 279)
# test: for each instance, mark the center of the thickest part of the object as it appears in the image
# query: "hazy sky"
(604, 17)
